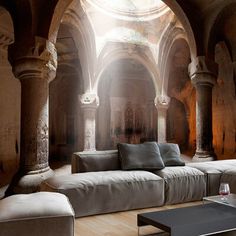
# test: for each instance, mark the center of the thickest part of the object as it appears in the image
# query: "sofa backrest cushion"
(170, 154)
(89, 161)
(144, 156)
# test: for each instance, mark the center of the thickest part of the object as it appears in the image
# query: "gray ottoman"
(36, 214)
(108, 191)
(229, 176)
(183, 184)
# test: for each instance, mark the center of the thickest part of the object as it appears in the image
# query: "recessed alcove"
(127, 112)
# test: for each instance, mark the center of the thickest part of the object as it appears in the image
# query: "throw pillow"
(144, 156)
(170, 154)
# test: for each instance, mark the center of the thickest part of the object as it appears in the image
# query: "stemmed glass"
(224, 190)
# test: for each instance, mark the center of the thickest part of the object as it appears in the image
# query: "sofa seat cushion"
(229, 176)
(183, 184)
(108, 191)
(213, 171)
(36, 214)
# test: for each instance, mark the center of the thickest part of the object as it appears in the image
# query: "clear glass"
(224, 191)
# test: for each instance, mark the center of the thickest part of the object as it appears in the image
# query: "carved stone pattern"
(5, 41)
(162, 102)
(89, 100)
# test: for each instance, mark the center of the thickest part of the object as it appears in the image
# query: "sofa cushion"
(144, 156)
(170, 154)
(108, 191)
(213, 170)
(95, 161)
(183, 184)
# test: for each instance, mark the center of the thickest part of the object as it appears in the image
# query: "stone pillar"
(162, 104)
(203, 74)
(34, 71)
(89, 103)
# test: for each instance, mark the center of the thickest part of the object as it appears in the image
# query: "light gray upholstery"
(36, 214)
(88, 161)
(213, 170)
(108, 191)
(229, 176)
(183, 184)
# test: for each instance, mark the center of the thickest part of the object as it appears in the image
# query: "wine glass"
(224, 190)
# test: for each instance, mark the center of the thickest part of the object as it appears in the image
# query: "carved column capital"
(40, 61)
(89, 100)
(5, 40)
(162, 102)
(203, 71)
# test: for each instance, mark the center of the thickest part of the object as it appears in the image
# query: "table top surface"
(229, 200)
(204, 218)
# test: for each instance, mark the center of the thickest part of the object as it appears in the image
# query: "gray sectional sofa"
(109, 181)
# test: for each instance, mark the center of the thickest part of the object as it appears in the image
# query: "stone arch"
(82, 32)
(185, 19)
(173, 5)
(216, 32)
(168, 39)
(85, 42)
(114, 51)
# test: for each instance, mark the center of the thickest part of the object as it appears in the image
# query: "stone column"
(34, 71)
(162, 104)
(203, 74)
(89, 103)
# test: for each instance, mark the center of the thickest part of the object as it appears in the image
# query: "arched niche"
(126, 112)
(64, 112)
(181, 113)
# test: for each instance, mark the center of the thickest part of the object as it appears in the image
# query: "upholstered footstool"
(229, 176)
(36, 214)
(183, 184)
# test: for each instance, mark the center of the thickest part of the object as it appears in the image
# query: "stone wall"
(224, 106)
(10, 116)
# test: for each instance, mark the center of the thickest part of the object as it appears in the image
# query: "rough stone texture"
(9, 119)
(9, 102)
(224, 106)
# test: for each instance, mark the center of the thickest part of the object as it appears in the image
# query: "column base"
(28, 182)
(204, 156)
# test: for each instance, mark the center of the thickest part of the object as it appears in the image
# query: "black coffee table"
(203, 219)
